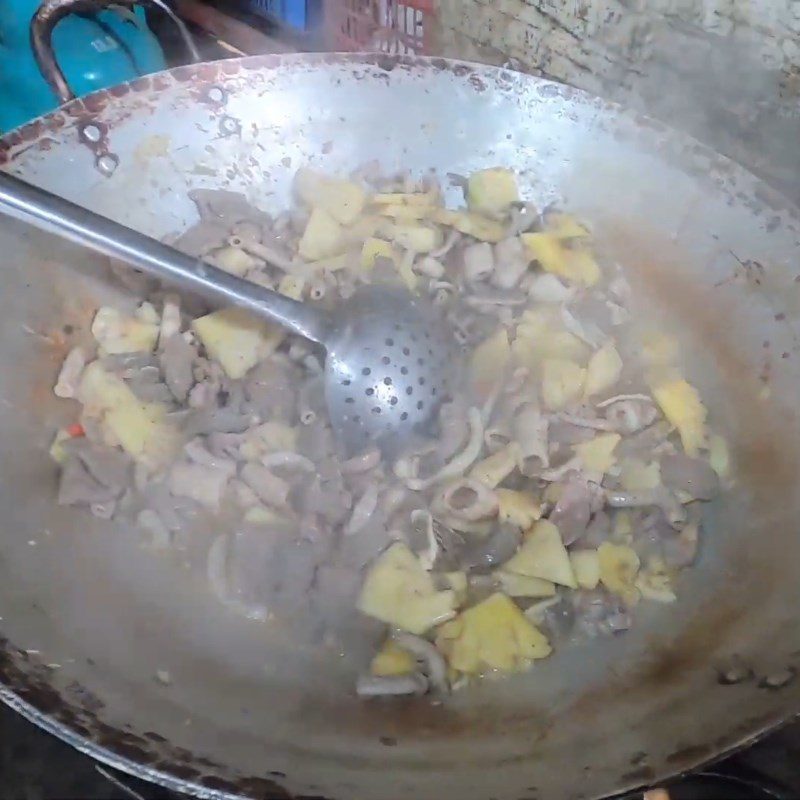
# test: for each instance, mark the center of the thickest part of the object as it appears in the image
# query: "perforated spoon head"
(392, 359)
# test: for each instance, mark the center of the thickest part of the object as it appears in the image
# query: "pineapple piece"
(541, 334)
(56, 450)
(406, 213)
(233, 260)
(518, 508)
(598, 453)
(457, 581)
(237, 339)
(638, 476)
(582, 268)
(333, 264)
(143, 432)
(147, 313)
(552, 494)
(619, 566)
(100, 390)
(342, 199)
(116, 333)
(603, 370)
(492, 635)
(423, 199)
(562, 383)
(292, 286)
(681, 404)
(492, 191)
(547, 249)
(489, 363)
(494, 469)
(139, 428)
(475, 225)
(565, 226)
(323, 237)
(719, 456)
(376, 248)
(362, 228)
(398, 591)
(656, 582)
(622, 532)
(515, 585)
(391, 659)
(576, 265)
(405, 269)
(586, 566)
(563, 345)
(417, 238)
(543, 555)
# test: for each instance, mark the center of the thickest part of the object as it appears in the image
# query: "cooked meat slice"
(176, 365)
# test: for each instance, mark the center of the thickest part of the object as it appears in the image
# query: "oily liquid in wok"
(559, 490)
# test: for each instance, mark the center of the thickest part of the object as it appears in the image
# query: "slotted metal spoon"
(391, 359)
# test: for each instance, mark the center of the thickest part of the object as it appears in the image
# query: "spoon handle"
(54, 214)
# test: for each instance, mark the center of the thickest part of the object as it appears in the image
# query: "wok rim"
(81, 110)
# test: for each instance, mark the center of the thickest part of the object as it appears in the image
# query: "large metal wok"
(89, 618)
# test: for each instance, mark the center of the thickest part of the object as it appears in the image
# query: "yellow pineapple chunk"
(141, 429)
(518, 508)
(493, 635)
(681, 404)
(489, 363)
(562, 383)
(342, 199)
(598, 453)
(619, 566)
(574, 264)
(391, 659)
(603, 370)
(492, 191)
(543, 555)
(586, 566)
(398, 591)
(237, 339)
(323, 237)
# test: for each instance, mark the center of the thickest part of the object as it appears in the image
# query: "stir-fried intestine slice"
(460, 462)
(203, 483)
(271, 489)
(453, 428)
(468, 500)
(629, 414)
(364, 462)
(579, 500)
(694, 476)
(649, 497)
(430, 660)
(176, 363)
(391, 685)
(70, 374)
(363, 510)
(530, 429)
(288, 460)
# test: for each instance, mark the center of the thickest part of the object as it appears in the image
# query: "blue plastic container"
(94, 52)
(303, 15)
